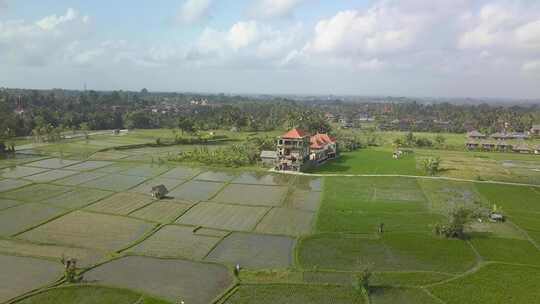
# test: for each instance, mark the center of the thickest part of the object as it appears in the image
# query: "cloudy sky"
(466, 48)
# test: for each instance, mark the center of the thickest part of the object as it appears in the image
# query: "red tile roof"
(294, 134)
(318, 141)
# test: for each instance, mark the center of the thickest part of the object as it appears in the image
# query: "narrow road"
(407, 176)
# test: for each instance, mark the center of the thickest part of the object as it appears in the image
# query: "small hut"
(503, 146)
(535, 130)
(521, 148)
(499, 136)
(488, 145)
(476, 135)
(159, 191)
(496, 217)
(472, 145)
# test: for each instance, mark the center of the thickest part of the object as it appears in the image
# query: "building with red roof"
(297, 150)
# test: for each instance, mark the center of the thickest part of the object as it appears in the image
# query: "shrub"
(455, 227)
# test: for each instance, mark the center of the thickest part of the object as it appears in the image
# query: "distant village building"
(488, 145)
(521, 148)
(535, 130)
(159, 191)
(476, 135)
(502, 146)
(499, 136)
(297, 150)
(330, 117)
(472, 145)
(199, 102)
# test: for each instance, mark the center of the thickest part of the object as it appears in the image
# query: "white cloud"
(51, 22)
(245, 43)
(274, 8)
(36, 43)
(242, 34)
(503, 26)
(381, 29)
(193, 11)
(528, 35)
(531, 66)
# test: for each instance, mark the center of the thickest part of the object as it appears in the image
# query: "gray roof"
(160, 188)
(475, 134)
(521, 147)
(268, 154)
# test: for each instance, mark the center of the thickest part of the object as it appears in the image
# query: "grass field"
(371, 161)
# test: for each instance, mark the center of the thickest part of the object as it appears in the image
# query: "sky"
(447, 48)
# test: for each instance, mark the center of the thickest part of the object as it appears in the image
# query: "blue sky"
(483, 48)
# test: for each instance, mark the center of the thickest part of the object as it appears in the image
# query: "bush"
(230, 156)
(455, 227)
(431, 165)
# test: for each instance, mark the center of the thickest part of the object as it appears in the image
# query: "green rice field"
(296, 238)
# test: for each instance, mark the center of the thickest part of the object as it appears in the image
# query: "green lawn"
(496, 283)
(90, 295)
(370, 161)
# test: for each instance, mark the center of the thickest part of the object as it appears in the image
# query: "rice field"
(10, 184)
(196, 283)
(254, 251)
(23, 274)
(115, 182)
(252, 195)
(85, 257)
(284, 221)
(53, 163)
(21, 217)
(121, 203)
(196, 191)
(297, 239)
(89, 230)
(177, 242)
(36, 192)
(165, 211)
(222, 216)
(20, 171)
